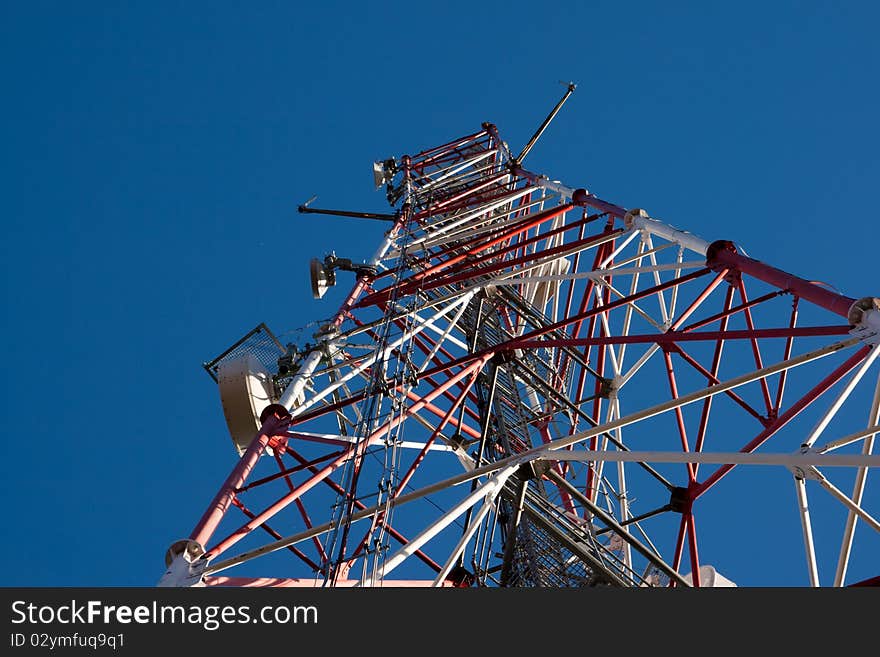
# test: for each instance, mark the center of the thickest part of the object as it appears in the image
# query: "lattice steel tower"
(530, 386)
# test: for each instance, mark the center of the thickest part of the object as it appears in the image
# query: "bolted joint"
(460, 577)
(670, 348)
(864, 317)
(277, 443)
(506, 356)
(457, 440)
(632, 214)
(487, 291)
(606, 387)
(534, 469)
(279, 411)
(805, 472)
(184, 564)
(715, 249)
(679, 499)
(325, 333)
(580, 197)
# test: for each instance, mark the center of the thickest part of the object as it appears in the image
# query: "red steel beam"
(354, 451)
(427, 157)
(785, 356)
(713, 380)
(379, 518)
(266, 528)
(470, 268)
(729, 311)
(679, 545)
(288, 471)
(673, 337)
(756, 350)
(204, 529)
(299, 505)
(679, 416)
(722, 253)
(396, 535)
(692, 548)
(712, 374)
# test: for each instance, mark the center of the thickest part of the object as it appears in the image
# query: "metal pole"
(723, 254)
(512, 526)
(489, 490)
(525, 151)
(209, 521)
(800, 486)
(858, 489)
(847, 389)
(611, 522)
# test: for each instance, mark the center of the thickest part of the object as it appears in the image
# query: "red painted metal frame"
(223, 499)
(469, 269)
(396, 535)
(785, 418)
(405, 479)
(724, 255)
(679, 416)
(449, 266)
(353, 452)
(672, 337)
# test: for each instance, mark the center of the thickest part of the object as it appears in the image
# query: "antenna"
(323, 275)
(540, 130)
(305, 209)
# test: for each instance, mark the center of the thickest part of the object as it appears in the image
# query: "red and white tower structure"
(528, 385)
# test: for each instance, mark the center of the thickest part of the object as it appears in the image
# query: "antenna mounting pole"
(528, 147)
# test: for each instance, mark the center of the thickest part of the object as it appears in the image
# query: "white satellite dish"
(245, 390)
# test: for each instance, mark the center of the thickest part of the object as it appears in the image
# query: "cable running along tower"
(530, 386)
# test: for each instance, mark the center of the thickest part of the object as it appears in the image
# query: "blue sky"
(155, 153)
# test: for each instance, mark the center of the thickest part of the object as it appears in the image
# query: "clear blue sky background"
(154, 154)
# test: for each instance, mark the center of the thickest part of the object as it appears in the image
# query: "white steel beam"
(452, 324)
(295, 388)
(456, 168)
(842, 397)
(553, 447)
(488, 504)
(489, 490)
(795, 459)
(849, 439)
(676, 274)
(655, 347)
(596, 274)
(620, 247)
(848, 503)
(697, 395)
(375, 357)
(640, 220)
(661, 298)
(430, 239)
(809, 548)
(430, 325)
(351, 440)
(488, 225)
(858, 490)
